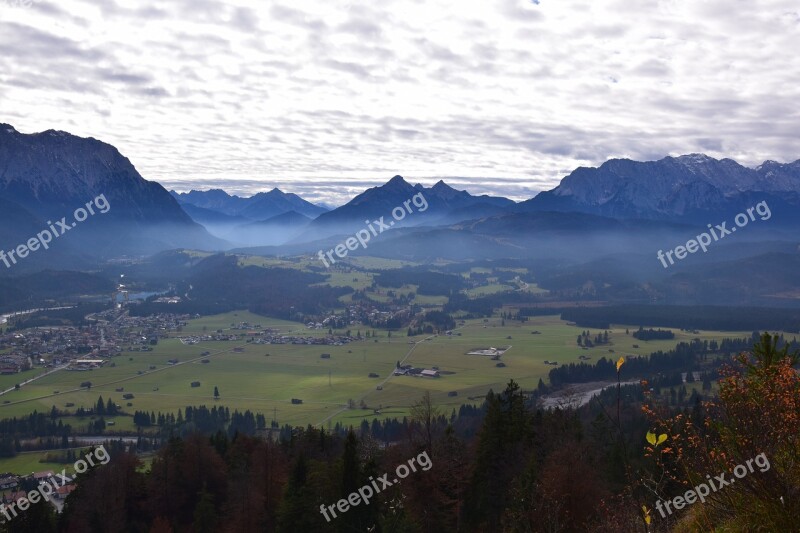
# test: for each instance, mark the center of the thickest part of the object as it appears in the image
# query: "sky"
(325, 99)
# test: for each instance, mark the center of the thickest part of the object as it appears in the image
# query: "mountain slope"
(434, 204)
(51, 174)
(692, 186)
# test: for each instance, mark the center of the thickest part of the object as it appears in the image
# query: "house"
(63, 492)
(43, 477)
(15, 497)
(430, 373)
(8, 482)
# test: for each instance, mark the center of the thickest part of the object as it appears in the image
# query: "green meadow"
(265, 378)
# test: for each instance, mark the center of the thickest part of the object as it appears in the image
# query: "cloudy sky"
(327, 98)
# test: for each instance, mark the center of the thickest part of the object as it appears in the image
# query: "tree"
(297, 511)
(706, 382)
(216, 393)
(205, 515)
(500, 451)
(767, 354)
(425, 413)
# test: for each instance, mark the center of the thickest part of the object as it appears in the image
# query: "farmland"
(264, 378)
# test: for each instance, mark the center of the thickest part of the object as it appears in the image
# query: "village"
(87, 347)
(11, 487)
(114, 330)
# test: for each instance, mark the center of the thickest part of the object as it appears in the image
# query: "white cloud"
(314, 96)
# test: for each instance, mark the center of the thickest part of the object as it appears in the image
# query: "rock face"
(51, 174)
(690, 186)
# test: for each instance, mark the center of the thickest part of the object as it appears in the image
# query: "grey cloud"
(41, 44)
(515, 11)
(360, 27)
(350, 68)
(245, 19)
(652, 68)
(297, 18)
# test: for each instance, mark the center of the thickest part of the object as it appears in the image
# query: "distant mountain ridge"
(691, 186)
(442, 204)
(261, 206)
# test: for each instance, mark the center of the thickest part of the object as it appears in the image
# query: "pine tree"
(506, 425)
(297, 511)
(205, 515)
(766, 352)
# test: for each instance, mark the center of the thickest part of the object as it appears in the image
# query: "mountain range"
(692, 187)
(261, 206)
(622, 206)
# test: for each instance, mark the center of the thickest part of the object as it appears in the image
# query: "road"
(62, 367)
(145, 373)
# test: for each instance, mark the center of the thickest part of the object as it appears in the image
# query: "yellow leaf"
(620, 363)
(651, 438)
(647, 520)
(661, 438)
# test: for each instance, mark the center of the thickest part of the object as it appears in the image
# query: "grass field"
(28, 462)
(264, 378)
(267, 383)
